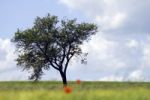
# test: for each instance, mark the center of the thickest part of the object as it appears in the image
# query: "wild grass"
(84, 91)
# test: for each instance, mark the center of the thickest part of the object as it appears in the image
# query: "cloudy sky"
(120, 51)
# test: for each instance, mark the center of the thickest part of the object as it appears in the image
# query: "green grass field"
(84, 91)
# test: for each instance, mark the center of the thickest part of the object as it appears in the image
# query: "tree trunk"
(64, 78)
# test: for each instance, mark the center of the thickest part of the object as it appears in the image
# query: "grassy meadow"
(83, 91)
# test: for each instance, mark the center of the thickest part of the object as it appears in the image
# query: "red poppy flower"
(78, 81)
(67, 89)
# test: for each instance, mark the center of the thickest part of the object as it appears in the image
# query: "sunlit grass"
(82, 91)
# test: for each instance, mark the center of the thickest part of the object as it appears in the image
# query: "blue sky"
(120, 51)
(21, 13)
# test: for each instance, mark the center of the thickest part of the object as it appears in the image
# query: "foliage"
(51, 43)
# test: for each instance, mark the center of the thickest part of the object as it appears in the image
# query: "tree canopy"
(51, 43)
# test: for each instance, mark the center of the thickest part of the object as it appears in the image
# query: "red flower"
(78, 81)
(67, 89)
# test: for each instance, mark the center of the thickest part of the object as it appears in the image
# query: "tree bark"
(64, 78)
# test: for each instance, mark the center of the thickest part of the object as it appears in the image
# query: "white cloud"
(131, 43)
(101, 46)
(112, 78)
(117, 20)
(103, 51)
(146, 51)
(146, 56)
(110, 21)
(73, 3)
(136, 75)
(115, 15)
(8, 56)
(119, 47)
(8, 69)
(105, 12)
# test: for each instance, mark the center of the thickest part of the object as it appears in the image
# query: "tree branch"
(55, 62)
(53, 65)
(66, 65)
(68, 58)
(64, 54)
(44, 52)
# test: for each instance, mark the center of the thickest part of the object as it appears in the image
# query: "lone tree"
(51, 43)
